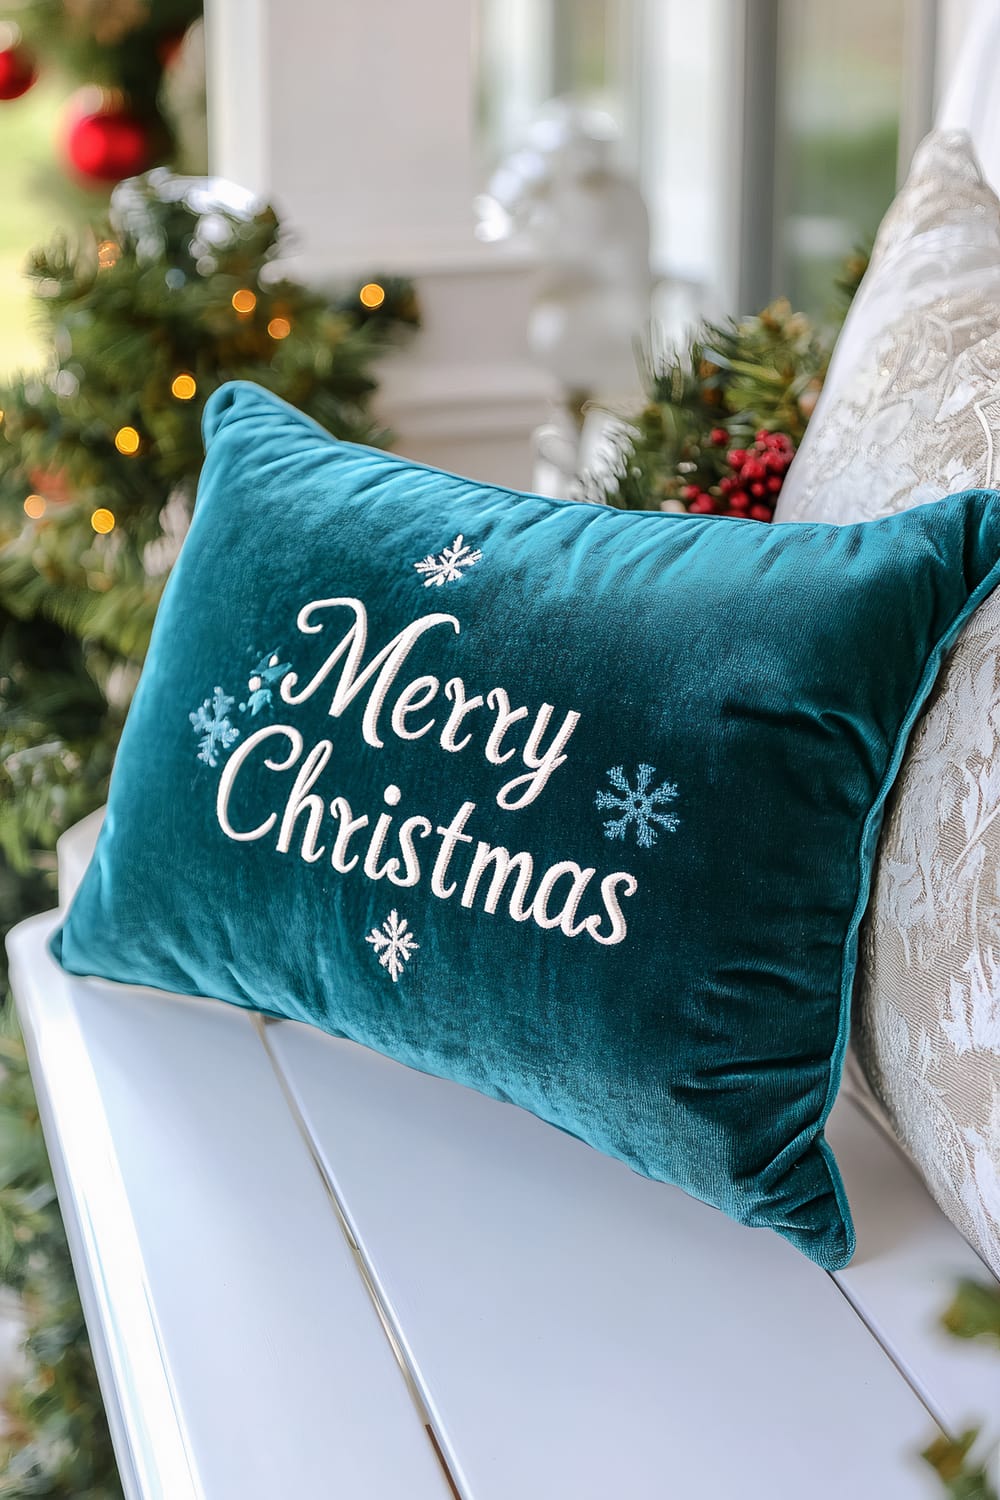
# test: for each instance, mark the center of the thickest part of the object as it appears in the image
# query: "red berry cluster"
(754, 482)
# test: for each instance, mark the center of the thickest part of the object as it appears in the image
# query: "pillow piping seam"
(866, 860)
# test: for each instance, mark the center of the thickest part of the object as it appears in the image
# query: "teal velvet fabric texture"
(574, 806)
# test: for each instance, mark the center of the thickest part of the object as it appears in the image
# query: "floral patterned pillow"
(911, 412)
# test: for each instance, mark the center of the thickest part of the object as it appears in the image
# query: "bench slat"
(578, 1330)
(908, 1262)
(240, 1353)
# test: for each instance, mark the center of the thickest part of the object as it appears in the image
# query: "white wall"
(356, 118)
(953, 21)
(969, 65)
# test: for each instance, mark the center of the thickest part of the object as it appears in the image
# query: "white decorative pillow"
(911, 412)
(912, 399)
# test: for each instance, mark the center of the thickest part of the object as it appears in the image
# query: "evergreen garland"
(725, 414)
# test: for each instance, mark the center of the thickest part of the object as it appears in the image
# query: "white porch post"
(358, 121)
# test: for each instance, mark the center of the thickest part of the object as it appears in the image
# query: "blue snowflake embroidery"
(265, 675)
(211, 721)
(639, 805)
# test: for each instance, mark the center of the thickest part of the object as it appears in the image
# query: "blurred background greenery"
(31, 206)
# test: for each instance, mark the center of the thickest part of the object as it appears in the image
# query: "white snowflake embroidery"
(394, 944)
(448, 567)
(639, 805)
(212, 722)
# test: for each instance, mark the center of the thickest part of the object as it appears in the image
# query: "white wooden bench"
(310, 1271)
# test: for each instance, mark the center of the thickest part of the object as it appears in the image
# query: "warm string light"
(102, 521)
(34, 507)
(108, 252)
(371, 294)
(279, 328)
(244, 301)
(127, 441)
(183, 387)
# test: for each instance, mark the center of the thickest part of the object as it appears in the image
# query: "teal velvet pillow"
(575, 806)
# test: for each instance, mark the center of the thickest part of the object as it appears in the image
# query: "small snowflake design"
(448, 567)
(638, 806)
(267, 674)
(216, 730)
(394, 944)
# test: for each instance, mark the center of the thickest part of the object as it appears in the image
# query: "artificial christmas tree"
(99, 457)
(100, 454)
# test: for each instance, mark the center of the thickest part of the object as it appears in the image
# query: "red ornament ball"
(108, 145)
(17, 72)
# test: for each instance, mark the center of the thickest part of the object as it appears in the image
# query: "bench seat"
(308, 1270)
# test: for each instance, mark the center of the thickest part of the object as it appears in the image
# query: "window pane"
(840, 83)
(687, 160)
(532, 51)
(650, 65)
(822, 86)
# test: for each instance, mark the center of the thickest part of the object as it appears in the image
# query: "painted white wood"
(73, 853)
(239, 1351)
(360, 119)
(953, 21)
(578, 1330)
(687, 157)
(361, 1110)
(359, 122)
(465, 395)
(970, 30)
(920, 80)
(904, 1273)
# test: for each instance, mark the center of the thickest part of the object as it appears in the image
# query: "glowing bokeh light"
(371, 294)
